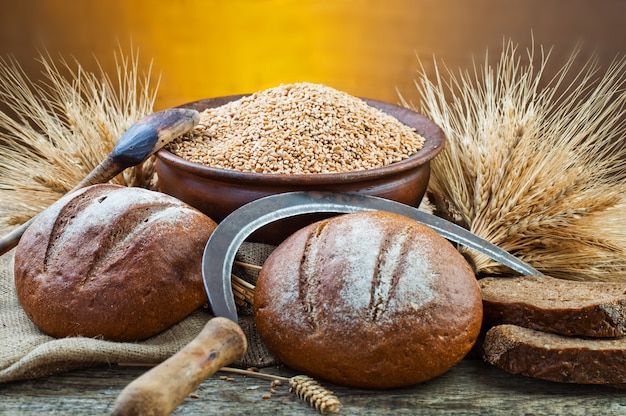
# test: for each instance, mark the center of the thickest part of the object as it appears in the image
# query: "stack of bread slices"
(555, 329)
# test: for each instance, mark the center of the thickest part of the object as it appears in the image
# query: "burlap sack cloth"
(27, 353)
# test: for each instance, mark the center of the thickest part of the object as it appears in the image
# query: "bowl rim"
(434, 143)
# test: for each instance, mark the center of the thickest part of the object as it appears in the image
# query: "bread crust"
(558, 358)
(544, 303)
(112, 262)
(370, 300)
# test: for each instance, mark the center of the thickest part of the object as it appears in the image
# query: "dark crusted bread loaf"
(112, 262)
(370, 300)
(553, 357)
(587, 309)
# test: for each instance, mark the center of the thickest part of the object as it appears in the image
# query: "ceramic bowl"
(218, 192)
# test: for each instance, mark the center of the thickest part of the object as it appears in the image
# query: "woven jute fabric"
(27, 353)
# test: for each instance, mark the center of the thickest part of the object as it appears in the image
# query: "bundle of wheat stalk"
(56, 132)
(539, 171)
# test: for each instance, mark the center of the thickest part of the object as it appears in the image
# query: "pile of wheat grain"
(300, 128)
(539, 171)
(55, 132)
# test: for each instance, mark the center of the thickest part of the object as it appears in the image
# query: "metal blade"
(219, 253)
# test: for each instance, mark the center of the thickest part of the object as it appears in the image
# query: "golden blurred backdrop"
(369, 48)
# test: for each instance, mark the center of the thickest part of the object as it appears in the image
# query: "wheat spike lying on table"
(305, 388)
(539, 171)
(59, 130)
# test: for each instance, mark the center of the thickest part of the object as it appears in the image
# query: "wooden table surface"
(473, 387)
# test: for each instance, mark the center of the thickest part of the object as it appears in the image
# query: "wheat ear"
(315, 394)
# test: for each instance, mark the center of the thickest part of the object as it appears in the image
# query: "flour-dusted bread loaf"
(586, 309)
(554, 357)
(112, 262)
(370, 300)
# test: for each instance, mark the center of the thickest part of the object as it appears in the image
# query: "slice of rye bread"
(558, 358)
(586, 309)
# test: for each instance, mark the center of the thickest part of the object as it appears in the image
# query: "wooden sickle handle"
(161, 389)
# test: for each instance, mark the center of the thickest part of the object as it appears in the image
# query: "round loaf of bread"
(112, 262)
(368, 300)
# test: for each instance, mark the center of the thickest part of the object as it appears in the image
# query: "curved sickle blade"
(220, 250)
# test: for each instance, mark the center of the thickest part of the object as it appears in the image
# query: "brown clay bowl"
(218, 192)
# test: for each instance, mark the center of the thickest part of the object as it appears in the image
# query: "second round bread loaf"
(370, 300)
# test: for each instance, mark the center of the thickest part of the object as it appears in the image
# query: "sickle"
(220, 250)
(139, 142)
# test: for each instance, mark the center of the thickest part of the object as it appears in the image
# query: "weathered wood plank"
(471, 388)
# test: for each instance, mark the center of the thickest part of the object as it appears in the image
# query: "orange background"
(369, 48)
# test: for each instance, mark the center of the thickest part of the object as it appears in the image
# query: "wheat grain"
(539, 171)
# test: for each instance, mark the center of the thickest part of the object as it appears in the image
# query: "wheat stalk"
(242, 291)
(539, 171)
(250, 266)
(57, 131)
